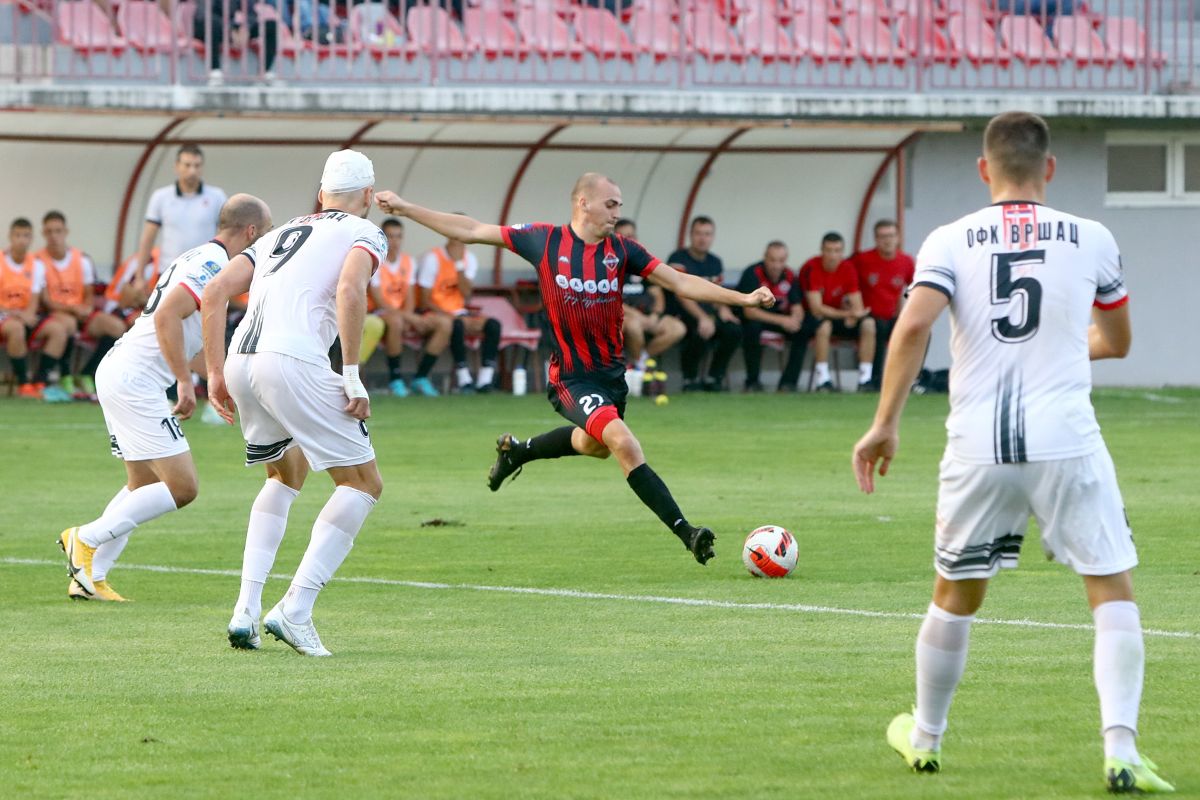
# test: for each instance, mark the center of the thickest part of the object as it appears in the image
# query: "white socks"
(332, 537)
(941, 658)
(1119, 660)
(108, 552)
(268, 521)
(864, 371)
(139, 506)
(464, 376)
(486, 374)
(822, 368)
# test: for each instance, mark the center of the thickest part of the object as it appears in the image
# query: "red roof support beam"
(894, 154)
(701, 175)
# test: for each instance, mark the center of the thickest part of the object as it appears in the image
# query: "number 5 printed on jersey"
(1025, 290)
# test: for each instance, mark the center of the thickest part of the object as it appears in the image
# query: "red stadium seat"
(1027, 40)
(602, 35)
(969, 8)
(817, 38)
(712, 38)
(1078, 41)
(490, 32)
(147, 28)
(974, 38)
(924, 34)
(871, 40)
(1128, 42)
(84, 26)
(432, 30)
(829, 10)
(654, 8)
(547, 34)
(926, 9)
(373, 28)
(657, 35)
(763, 37)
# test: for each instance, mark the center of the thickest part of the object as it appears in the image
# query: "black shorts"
(842, 331)
(591, 400)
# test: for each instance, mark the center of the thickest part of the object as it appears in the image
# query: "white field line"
(576, 594)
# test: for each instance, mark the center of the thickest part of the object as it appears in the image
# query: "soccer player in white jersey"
(144, 429)
(308, 283)
(1034, 293)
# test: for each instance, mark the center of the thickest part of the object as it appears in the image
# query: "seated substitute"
(22, 278)
(445, 280)
(393, 293)
(708, 324)
(834, 306)
(786, 317)
(883, 274)
(649, 331)
(130, 287)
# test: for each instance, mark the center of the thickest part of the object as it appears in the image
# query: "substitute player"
(1023, 282)
(308, 284)
(581, 267)
(143, 428)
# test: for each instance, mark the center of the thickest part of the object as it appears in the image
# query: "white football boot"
(243, 632)
(302, 637)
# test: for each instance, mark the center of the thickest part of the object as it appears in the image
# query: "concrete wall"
(1162, 263)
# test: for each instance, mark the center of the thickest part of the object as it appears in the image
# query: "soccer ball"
(770, 552)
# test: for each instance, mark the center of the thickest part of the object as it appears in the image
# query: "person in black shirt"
(785, 317)
(708, 325)
(649, 331)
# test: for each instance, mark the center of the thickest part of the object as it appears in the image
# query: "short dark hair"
(1017, 144)
(771, 245)
(885, 223)
(625, 221)
(189, 149)
(391, 222)
(833, 237)
(701, 219)
(54, 215)
(20, 222)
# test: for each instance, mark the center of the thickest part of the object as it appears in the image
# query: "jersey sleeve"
(935, 265)
(154, 209)
(527, 240)
(89, 269)
(39, 276)
(1110, 275)
(470, 266)
(426, 271)
(374, 242)
(807, 284)
(638, 260)
(196, 278)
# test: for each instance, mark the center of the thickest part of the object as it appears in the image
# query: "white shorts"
(137, 413)
(284, 402)
(983, 512)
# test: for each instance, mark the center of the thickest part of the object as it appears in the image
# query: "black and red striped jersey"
(581, 287)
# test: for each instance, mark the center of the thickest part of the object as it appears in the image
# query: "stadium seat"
(970, 8)
(829, 10)
(488, 31)
(975, 39)
(548, 34)
(374, 29)
(602, 35)
(763, 37)
(147, 28)
(288, 43)
(712, 38)
(1128, 41)
(926, 9)
(934, 44)
(657, 35)
(1027, 40)
(185, 16)
(513, 330)
(870, 39)
(654, 8)
(83, 26)
(1078, 41)
(432, 31)
(817, 38)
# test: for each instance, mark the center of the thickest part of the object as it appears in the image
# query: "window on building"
(1153, 169)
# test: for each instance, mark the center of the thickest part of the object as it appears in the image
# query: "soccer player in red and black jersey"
(581, 269)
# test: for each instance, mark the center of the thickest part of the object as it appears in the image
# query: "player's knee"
(184, 490)
(868, 325)
(825, 329)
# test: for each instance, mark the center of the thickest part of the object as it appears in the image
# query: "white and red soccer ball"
(770, 552)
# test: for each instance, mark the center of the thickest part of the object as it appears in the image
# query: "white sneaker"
(303, 638)
(216, 79)
(209, 415)
(243, 632)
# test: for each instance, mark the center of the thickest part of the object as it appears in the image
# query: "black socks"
(651, 490)
(552, 444)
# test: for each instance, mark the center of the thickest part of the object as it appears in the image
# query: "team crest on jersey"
(520, 226)
(611, 261)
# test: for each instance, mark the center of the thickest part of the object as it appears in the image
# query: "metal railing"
(1131, 46)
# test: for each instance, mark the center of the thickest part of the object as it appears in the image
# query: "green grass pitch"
(445, 684)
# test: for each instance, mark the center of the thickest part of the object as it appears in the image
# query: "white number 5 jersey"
(1022, 279)
(292, 308)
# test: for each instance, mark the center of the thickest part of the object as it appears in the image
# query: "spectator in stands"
(1044, 10)
(445, 280)
(648, 330)
(393, 293)
(67, 296)
(185, 211)
(883, 273)
(22, 278)
(244, 26)
(834, 307)
(786, 317)
(707, 325)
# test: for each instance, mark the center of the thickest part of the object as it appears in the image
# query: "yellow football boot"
(79, 559)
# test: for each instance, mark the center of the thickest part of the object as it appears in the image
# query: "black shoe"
(507, 461)
(786, 388)
(753, 388)
(826, 387)
(486, 388)
(868, 387)
(698, 541)
(692, 386)
(467, 388)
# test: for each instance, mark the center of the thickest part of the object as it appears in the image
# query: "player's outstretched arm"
(905, 353)
(1110, 334)
(168, 327)
(452, 226)
(231, 281)
(703, 291)
(351, 309)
